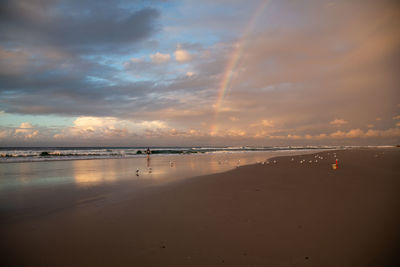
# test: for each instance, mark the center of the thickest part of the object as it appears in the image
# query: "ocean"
(30, 154)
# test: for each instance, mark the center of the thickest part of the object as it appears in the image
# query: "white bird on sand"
(292, 159)
(310, 161)
(274, 161)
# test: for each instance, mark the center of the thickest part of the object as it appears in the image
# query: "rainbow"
(233, 62)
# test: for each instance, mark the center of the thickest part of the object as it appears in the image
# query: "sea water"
(28, 154)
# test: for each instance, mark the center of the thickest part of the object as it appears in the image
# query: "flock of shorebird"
(150, 170)
(310, 161)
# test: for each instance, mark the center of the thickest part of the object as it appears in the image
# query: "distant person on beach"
(148, 152)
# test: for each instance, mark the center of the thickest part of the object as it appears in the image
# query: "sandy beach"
(278, 214)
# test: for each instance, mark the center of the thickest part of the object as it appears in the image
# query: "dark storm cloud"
(88, 25)
(52, 55)
(64, 99)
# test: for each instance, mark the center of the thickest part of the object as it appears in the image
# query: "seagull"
(137, 172)
(292, 159)
(274, 161)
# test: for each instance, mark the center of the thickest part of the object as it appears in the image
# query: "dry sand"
(277, 214)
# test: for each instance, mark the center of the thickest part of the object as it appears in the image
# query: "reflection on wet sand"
(95, 172)
(149, 168)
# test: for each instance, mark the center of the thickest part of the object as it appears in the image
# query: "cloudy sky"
(212, 72)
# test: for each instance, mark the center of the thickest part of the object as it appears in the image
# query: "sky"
(199, 73)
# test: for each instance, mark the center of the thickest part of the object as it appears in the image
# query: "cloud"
(182, 55)
(355, 133)
(159, 58)
(26, 131)
(67, 51)
(263, 123)
(25, 126)
(108, 128)
(4, 134)
(136, 60)
(88, 25)
(338, 122)
(267, 123)
(338, 135)
(12, 62)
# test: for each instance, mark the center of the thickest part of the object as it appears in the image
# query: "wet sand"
(277, 214)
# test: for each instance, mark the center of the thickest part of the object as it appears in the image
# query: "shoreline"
(55, 157)
(281, 214)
